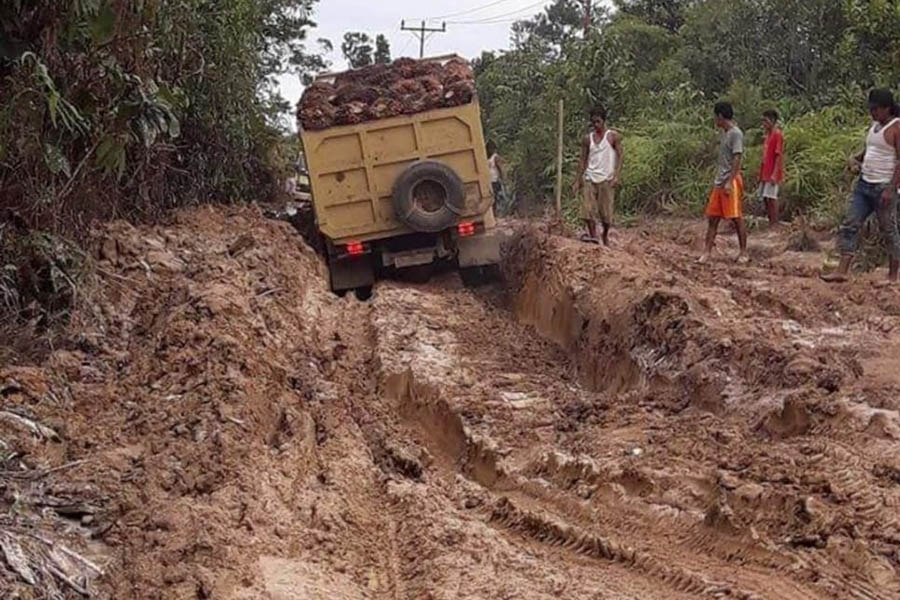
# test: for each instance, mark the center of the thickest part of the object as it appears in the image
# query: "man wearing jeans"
(876, 188)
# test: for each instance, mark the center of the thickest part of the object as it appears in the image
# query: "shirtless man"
(876, 188)
(599, 173)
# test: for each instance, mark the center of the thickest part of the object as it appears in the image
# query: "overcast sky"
(472, 26)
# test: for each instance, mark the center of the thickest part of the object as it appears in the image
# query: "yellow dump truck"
(403, 192)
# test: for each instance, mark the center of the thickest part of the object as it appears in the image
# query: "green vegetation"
(359, 51)
(124, 109)
(660, 65)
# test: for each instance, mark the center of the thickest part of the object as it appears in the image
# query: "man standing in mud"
(726, 198)
(497, 169)
(876, 188)
(771, 171)
(599, 173)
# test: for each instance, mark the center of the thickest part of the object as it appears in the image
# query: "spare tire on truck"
(429, 196)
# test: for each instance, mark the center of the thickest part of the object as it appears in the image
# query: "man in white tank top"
(599, 172)
(496, 167)
(876, 188)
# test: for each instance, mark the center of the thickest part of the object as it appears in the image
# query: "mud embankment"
(630, 327)
(198, 412)
(785, 414)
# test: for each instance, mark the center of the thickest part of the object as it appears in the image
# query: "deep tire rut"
(612, 424)
(496, 404)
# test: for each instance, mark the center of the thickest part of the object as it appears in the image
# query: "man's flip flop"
(589, 240)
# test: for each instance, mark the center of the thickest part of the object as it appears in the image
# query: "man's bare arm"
(582, 164)
(736, 166)
(856, 160)
(887, 195)
(896, 182)
(620, 153)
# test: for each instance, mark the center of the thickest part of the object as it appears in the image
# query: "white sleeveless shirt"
(601, 164)
(880, 160)
(492, 165)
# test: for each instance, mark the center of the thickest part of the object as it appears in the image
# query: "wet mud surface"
(606, 424)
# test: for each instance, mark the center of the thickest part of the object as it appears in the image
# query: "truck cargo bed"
(353, 168)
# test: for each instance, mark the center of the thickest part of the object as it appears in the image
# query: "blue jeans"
(865, 201)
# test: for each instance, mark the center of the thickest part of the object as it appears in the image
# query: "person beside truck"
(876, 189)
(599, 174)
(771, 170)
(498, 174)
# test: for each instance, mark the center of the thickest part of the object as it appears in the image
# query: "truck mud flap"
(480, 275)
(351, 273)
(479, 250)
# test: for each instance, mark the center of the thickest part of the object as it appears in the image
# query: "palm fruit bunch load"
(403, 87)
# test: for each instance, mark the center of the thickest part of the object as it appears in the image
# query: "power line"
(468, 12)
(420, 32)
(499, 18)
(408, 42)
(506, 21)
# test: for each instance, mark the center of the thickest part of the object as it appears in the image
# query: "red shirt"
(771, 169)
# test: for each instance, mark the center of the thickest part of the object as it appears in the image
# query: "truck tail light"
(466, 229)
(355, 248)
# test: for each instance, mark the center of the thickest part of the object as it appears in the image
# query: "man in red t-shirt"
(771, 172)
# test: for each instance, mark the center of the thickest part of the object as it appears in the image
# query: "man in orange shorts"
(726, 199)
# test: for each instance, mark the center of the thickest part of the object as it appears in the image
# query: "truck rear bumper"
(408, 258)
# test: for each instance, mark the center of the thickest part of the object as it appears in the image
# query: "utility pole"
(420, 32)
(587, 17)
(559, 161)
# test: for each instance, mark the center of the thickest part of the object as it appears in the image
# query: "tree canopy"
(357, 49)
(125, 109)
(361, 51)
(382, 50)
(111, 106)
(658, 65)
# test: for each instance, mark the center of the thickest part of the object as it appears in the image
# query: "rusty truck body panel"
(352, 169)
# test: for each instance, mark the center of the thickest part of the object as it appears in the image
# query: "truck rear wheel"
(428, 196)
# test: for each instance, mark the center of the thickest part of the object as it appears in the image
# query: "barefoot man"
(497, 169)
(771, 171)
(876, 188)
(726, 198)
(598, 172)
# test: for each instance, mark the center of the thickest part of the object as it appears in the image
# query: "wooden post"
(559, 165)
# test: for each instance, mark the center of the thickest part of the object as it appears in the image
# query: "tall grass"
(669, 165)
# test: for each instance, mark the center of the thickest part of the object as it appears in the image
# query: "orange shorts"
(725, 205)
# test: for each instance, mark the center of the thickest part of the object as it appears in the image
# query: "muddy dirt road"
(609, 424)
